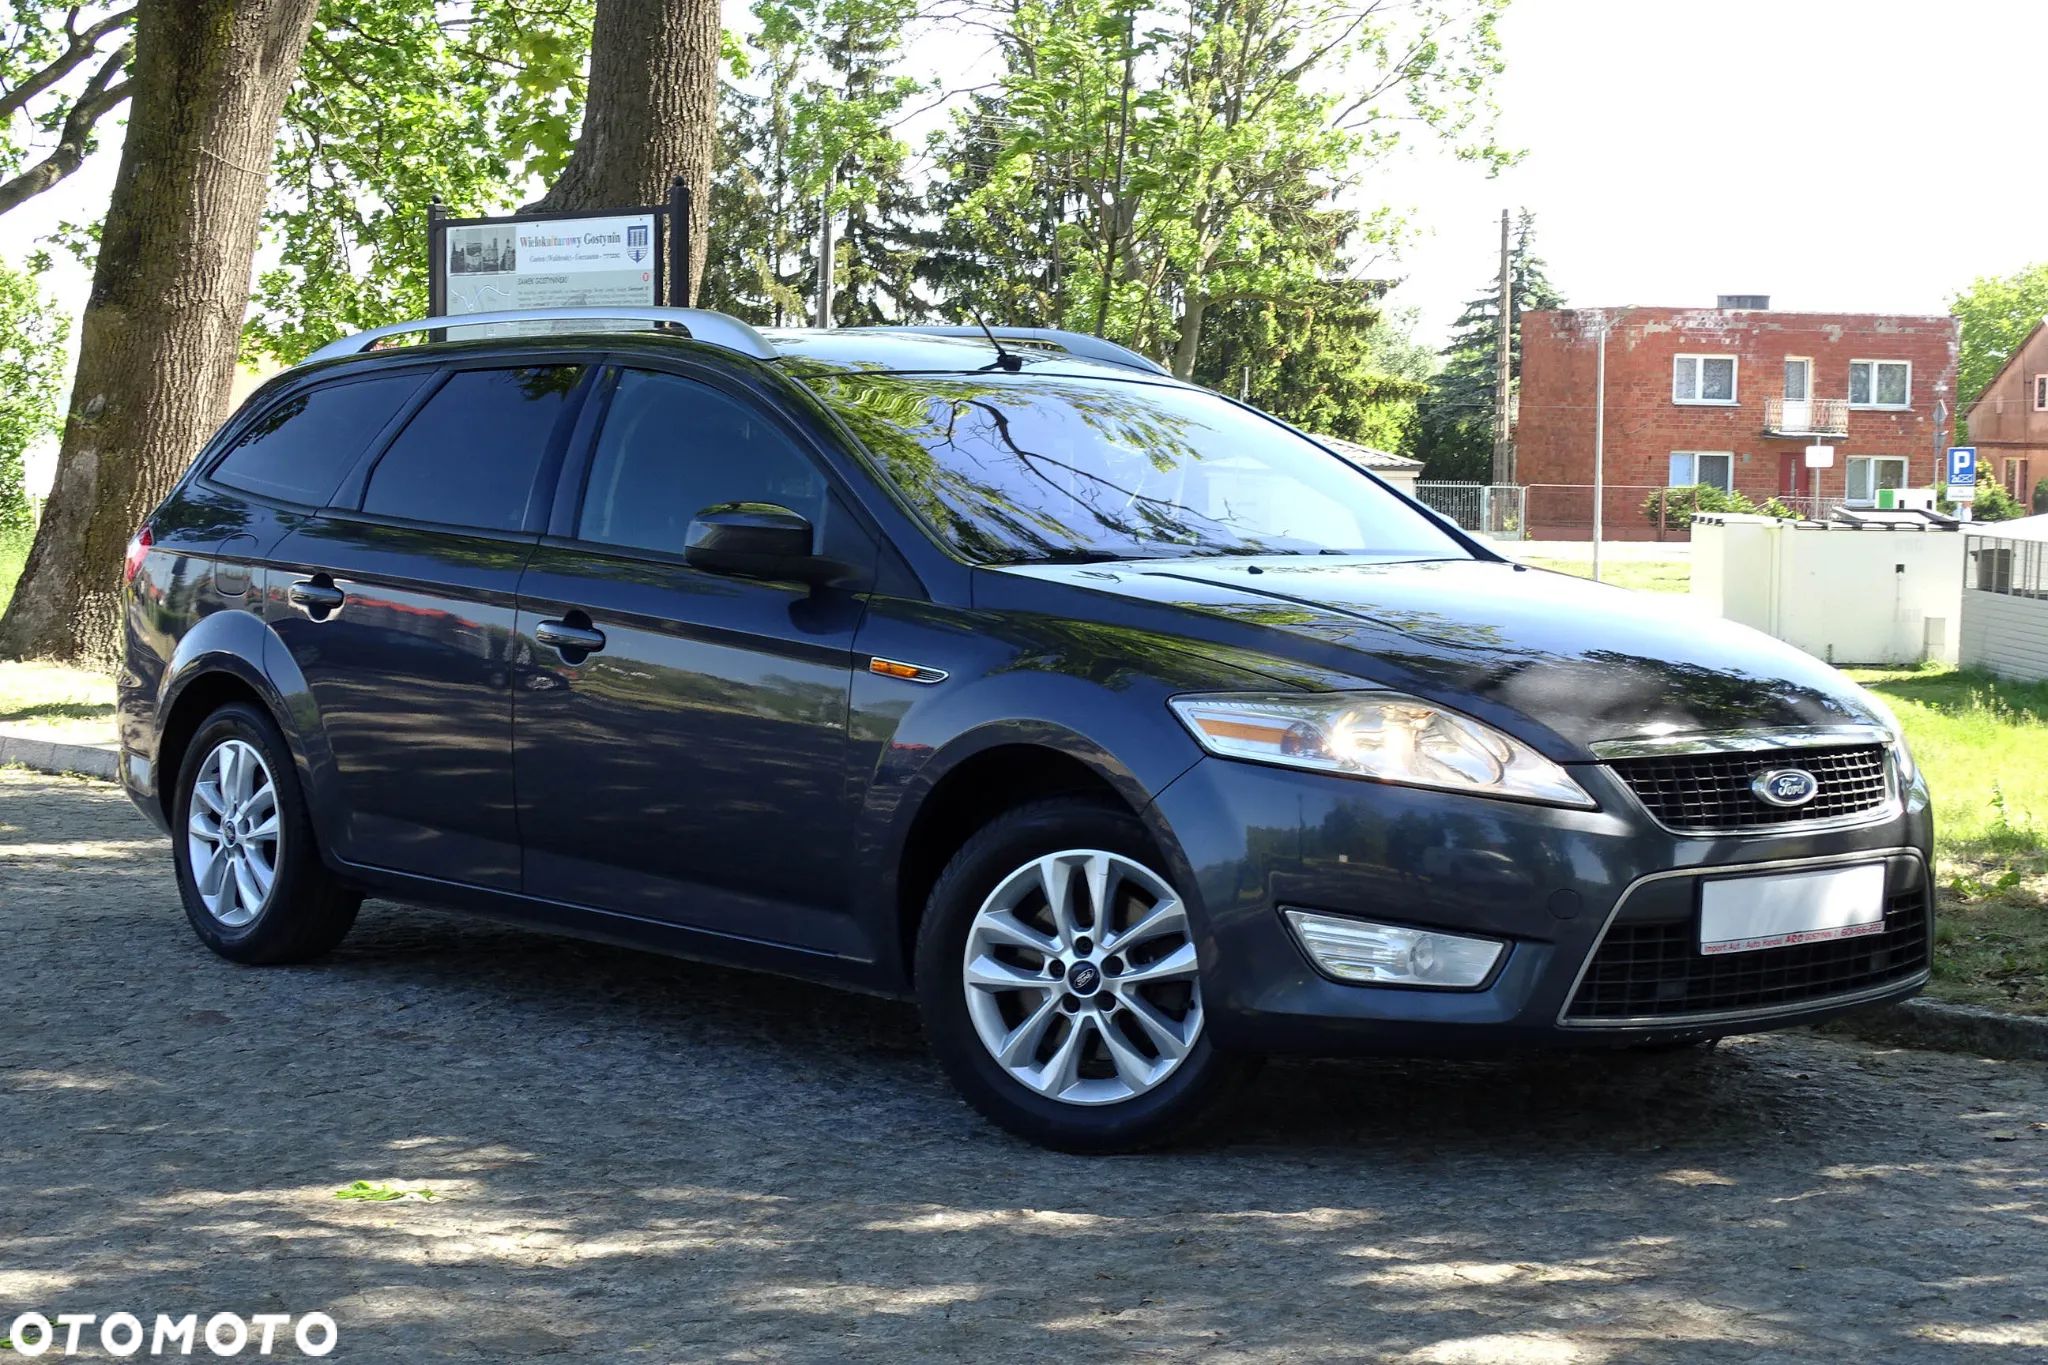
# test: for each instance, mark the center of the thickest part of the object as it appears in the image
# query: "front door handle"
(317, 597)
(568, 638)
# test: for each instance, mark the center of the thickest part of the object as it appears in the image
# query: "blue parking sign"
(1962, 466)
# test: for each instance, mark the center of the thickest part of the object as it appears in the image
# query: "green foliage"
(1454, 428)
(815, 126)
(399, 102)
(1140, 167)
(1993, 502)
(1997, 312)
(1678, 505)
(1327, 361)
(32, 334)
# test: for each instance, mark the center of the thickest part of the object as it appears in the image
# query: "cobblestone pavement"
(644, 1159)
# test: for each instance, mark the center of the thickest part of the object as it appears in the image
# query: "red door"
(1794, 478)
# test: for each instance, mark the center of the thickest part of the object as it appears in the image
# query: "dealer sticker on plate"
(1743, 914)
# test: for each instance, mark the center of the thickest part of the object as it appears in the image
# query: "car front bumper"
(1555, 884)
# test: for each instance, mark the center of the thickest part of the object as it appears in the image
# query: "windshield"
(1020, 468)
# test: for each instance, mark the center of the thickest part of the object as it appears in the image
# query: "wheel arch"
(1001, 774)
(234, 656)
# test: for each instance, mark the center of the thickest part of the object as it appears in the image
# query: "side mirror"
(752, 540)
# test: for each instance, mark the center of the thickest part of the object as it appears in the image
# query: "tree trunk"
(651, 115)
(1190, 333)
(157, 346)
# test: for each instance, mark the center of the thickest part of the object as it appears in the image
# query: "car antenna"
(1005, 360)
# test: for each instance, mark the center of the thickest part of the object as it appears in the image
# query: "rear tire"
(248, 868)
(1047, 896)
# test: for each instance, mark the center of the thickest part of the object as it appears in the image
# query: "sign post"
(630, 257)
(1962, 479)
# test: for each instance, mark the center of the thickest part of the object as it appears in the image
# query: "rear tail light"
(138, 550)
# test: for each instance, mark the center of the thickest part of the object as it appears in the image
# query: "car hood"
(1517, 647)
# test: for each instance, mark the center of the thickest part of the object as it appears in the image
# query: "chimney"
(1757, 302)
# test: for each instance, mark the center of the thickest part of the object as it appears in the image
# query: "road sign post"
(1962, 479)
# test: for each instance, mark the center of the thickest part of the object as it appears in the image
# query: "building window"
(1703, 379)
(1869, 473)
(1798, 379)
(1880, 383)
(2041, 393)
(1689, 467)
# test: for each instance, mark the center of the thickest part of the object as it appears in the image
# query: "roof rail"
(1073, 343)
(700, 324)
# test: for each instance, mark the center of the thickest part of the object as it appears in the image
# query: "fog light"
(1389, 955)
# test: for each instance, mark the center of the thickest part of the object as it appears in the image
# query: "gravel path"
(647, 1160)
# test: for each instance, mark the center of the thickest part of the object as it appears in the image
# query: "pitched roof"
(1365, 457)
(1970, 413)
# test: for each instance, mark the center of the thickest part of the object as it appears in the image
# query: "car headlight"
(1902, 753)
(1382, 736)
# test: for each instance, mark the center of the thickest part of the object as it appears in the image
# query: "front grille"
(1654, 970)
(1711, 791)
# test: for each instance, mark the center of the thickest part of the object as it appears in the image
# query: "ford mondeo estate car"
(1130, 731)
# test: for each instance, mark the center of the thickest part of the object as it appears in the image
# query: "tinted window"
(1010, 468)
(470, 454)
(670, 447)
(300, 449)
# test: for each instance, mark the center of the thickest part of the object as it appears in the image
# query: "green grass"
(1983, 743)
(1641, 575)
(47, 694)
(13, 553)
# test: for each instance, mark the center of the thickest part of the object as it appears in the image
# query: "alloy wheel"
(1081, 977)
(232, 837)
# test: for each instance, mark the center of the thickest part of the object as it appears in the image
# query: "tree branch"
(82, 46)
(101, 95)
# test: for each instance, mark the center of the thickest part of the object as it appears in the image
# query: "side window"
(670, 447)
(299, 450)
(469, 456)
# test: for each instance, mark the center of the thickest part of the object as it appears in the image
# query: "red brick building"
(1728, 396)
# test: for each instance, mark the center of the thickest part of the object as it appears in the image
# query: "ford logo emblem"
(1785, 787)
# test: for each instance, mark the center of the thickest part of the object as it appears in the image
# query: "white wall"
(2006, 634)
(1845, 595)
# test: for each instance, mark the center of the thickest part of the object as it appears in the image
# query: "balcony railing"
(1806, 416)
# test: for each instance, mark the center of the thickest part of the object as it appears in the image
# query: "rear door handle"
(569, 639)
(317, 598)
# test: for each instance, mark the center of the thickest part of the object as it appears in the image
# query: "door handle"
(317, 598)
(569, 639)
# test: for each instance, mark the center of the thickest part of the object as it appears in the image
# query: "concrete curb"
(1943, 1027)
(80, 760)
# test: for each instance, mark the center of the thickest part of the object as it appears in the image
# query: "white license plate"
(1744, 914)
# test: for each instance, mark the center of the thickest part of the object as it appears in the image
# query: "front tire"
(248, 869)
(1059, 980)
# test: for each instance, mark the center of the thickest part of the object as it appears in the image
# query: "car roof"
(879, 350)
(907, 352)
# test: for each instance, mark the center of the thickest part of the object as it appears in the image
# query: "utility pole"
(825, 248)
(1503, 452)
(1600, 450)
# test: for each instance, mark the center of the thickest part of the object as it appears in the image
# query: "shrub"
(1679, 504)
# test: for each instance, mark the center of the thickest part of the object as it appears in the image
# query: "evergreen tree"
(1454, 428)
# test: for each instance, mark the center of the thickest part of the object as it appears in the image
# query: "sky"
(1838, 155)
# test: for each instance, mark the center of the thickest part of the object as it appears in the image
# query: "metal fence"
(1564, 511)
(1487, 509)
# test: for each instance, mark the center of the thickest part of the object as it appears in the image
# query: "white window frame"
(1873, 405)
(1905, 478)
(1699, 379)
(1807, 362)
(2041, 393)
(1694, 457)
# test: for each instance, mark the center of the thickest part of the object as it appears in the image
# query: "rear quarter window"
(299, 449)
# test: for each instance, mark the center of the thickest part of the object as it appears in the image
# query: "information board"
(552, 263)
